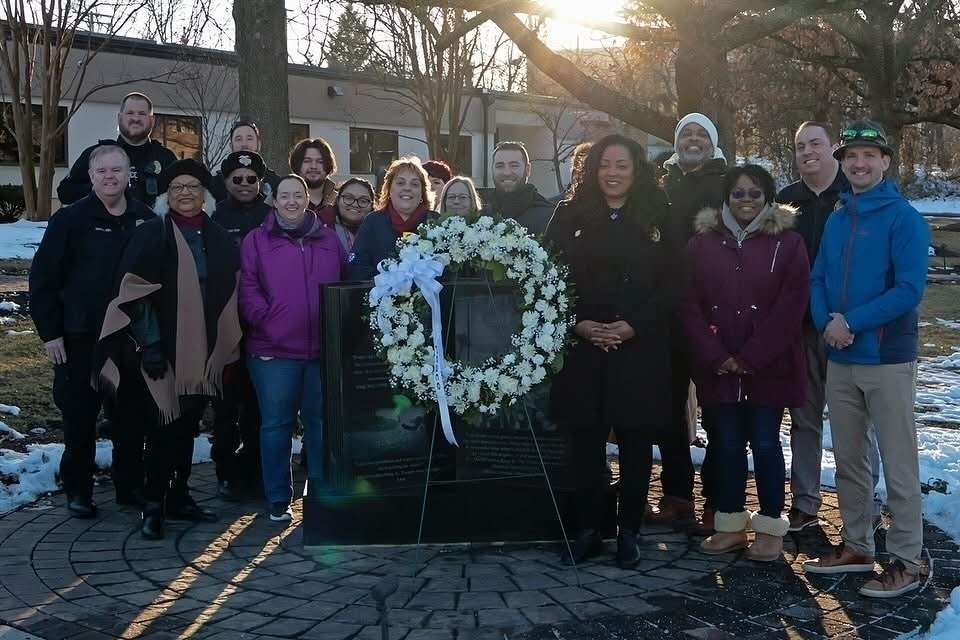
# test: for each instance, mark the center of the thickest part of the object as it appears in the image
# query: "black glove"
(153, 361)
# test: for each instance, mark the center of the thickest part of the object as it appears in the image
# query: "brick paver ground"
(246, 577)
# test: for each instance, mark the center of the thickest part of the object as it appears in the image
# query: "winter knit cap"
(243, 160)
(185, 167)
(707, 124)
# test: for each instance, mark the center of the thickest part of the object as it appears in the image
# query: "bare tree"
(404, 46)
(208, 89)
(261, 33)
(44, 61)
(561, 119)
(195, 23)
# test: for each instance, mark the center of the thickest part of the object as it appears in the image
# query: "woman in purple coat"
(283, 263)
(743, 313)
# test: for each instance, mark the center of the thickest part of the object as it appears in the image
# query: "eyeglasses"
(242, 179)
(849, 135)
(458, 197)
(180, 188)
(740, 194)
(349, 200)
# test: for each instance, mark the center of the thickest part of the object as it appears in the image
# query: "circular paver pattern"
(248, 577)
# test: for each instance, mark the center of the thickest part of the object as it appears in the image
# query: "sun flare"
(599, 10)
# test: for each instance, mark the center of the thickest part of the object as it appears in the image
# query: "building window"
(8, 143)
(372, 150)
(180, 134)
(298, 132)
(463, 163)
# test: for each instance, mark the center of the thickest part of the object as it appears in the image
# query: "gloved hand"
(153, 361)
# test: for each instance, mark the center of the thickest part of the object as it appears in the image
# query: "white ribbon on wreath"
(414, 268)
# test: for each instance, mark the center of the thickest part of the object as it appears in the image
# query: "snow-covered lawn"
(20, 239)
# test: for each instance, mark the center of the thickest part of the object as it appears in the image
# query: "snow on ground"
(947, 207)
(20, 239)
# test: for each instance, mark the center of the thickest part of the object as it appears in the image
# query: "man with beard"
(147, 157)
(694, 181)
(312, 159)
(70, 283)
(244, 136)
(513, 197)
(236, 415)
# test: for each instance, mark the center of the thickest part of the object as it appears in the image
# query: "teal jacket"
(872, 268)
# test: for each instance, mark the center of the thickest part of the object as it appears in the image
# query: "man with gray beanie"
(694, 180)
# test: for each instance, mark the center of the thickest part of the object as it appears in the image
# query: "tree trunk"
(261, 28)
(703, 85)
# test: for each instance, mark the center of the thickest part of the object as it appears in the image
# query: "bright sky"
(565, 35)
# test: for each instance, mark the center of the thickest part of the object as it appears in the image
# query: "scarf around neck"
(742, 233)
(189, 222)
(402, 226)
(307, 226)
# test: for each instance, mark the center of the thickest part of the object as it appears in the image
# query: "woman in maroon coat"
(750, 281)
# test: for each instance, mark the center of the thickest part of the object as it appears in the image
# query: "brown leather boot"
(671, 510)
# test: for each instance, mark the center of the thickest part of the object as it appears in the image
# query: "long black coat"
(618, 272)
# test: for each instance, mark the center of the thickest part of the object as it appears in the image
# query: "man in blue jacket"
(866, 284)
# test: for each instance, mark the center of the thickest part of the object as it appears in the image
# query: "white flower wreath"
(501, 248)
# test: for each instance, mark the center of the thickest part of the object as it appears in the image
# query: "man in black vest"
(71, 281)
(147, 157)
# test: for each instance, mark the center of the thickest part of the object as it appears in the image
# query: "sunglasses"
(740, 194)
(848, 135)
(242, 179)
(362, 201)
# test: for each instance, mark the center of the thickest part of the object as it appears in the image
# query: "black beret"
(185, 167)
(243, 160)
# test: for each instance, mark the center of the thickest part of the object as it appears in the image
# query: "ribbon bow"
(414, 268)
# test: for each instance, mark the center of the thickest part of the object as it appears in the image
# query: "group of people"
(766, 301)
(162, 286)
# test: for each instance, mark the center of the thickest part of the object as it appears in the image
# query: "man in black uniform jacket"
(245, 136)
(147, 157)
(236, 414)
(71, 282)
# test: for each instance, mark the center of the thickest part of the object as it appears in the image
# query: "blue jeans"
(730, 427)
(284, 388)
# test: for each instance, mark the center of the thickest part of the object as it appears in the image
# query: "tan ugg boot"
(768, 545)
(731, 533)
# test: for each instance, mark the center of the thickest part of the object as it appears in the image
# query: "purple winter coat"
(748, 303)
(279, 295)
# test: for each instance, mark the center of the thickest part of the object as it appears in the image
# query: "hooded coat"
(747, 299)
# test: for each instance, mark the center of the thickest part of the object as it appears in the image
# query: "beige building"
(196, 101)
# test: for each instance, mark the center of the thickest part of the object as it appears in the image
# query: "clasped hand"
(604, 336)
(836, 334)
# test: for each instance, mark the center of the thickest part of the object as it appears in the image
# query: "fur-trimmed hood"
(782, 218)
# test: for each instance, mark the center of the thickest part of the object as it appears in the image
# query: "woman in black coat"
(624, 274)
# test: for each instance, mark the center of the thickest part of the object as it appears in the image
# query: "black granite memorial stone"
(381, 448)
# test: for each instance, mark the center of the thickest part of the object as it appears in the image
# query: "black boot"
(183, 507)
(227, 491)
(628, 549)
(586, 545)
(152, 528)
(81, 506)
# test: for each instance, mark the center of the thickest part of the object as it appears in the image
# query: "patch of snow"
(20, 239)
(950, 324)
(9, 410)
(11, 332)
(946, 207)
(16, 435)
(947, 624)
(7, 320)
(9, 307)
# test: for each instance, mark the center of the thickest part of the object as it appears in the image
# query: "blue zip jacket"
(872, 268)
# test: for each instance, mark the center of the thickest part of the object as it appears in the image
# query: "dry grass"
(14, 265)
(26, 381)
(941, 300)
(945, 238)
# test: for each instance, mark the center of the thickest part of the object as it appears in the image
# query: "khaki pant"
(884, 395)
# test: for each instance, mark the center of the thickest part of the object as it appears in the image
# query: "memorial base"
(482, 512)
